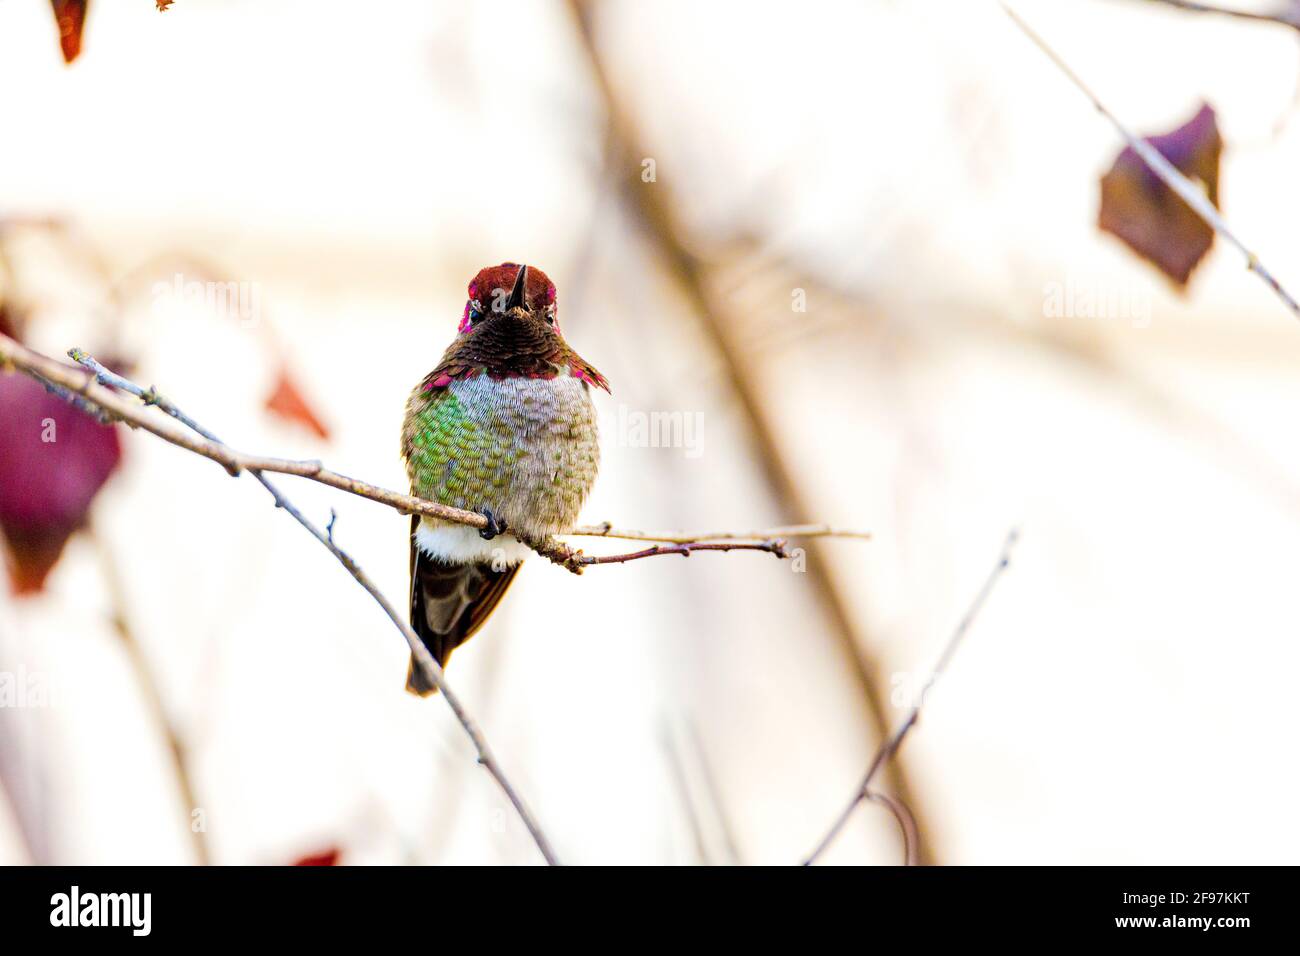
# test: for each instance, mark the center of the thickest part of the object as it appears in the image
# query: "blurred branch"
(654, 214)
(21, 783)
(9, 807)
(890, 746)
(677, 769)
(1288, 16)
(211, 447)
(1186, 190)
(697, 787)
(148, 685)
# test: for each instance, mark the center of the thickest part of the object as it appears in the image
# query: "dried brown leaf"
(1147, 215)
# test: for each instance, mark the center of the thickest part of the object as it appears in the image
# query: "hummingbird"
(504, 426)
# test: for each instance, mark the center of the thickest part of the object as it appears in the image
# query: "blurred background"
(853, 245)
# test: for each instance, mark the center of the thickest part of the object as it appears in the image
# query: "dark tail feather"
(449, 602)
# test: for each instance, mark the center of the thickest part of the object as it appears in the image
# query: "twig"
(685, 550)
(1287, 18)
(1165, 170)
(906, 822)
(607, 530)
(215, 449)
(75, 400)
(891, 745)
(771, 541)
(576, 560)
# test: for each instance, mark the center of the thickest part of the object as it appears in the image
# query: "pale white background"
(927, 176)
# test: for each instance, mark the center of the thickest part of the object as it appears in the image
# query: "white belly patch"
(461, 544)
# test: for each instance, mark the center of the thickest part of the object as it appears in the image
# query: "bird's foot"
(495, 525)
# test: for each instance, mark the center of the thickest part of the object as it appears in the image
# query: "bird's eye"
(473, 312)
(550, 316)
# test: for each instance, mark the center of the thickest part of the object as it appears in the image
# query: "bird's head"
(510, 330)
(508, 294)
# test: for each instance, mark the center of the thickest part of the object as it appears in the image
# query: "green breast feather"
(525, 448)
(451, 455)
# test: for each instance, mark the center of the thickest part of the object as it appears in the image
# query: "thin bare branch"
(684, 543)
(1288, 16)
(1188, 191)
(686, 550)
(906, 822)
(577, 560)
(607, 530)
(891, 745)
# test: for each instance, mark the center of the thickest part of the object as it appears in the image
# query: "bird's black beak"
(518, 293)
